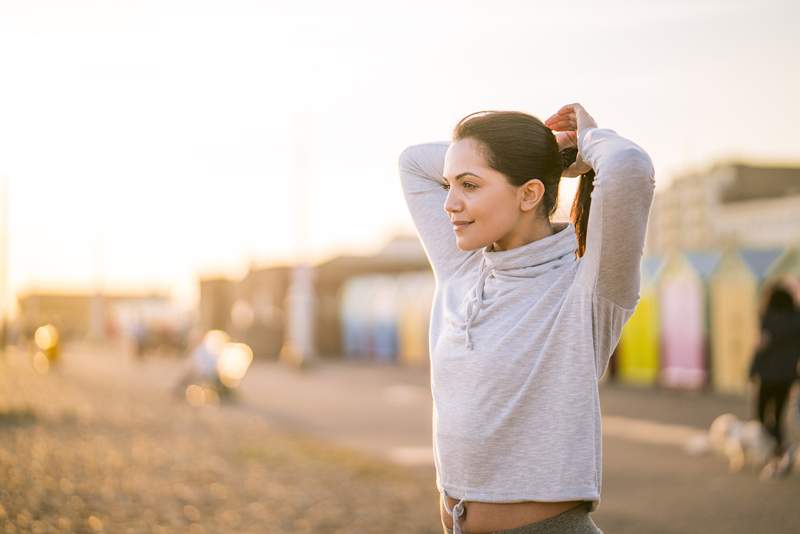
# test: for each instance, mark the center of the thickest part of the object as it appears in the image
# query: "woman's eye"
(466, 184)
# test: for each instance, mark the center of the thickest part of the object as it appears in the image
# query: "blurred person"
(139, 333)
(526, 311)
(774, 365)
(202, 362)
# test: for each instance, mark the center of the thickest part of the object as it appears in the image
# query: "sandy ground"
(100, 445)
(78, 457)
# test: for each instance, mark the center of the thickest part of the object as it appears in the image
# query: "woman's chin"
(467, 245)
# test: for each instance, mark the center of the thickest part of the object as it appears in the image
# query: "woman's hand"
(566, 124)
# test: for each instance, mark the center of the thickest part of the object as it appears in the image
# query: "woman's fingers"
(563, 124)
(558, 116)
(570, 117)
(569, 108)
(566, 139)
(562, 120)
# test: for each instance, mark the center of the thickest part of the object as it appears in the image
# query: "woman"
(526, 311)
(775, 366)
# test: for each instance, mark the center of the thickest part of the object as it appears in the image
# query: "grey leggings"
(573, 521)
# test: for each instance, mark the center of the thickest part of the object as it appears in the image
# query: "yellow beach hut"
(415, 296)
(638, 357)
(734, 302)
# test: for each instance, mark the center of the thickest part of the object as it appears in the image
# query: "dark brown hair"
(780, 300)
(522, 148)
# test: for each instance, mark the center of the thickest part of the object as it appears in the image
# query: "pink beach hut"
(684, 319)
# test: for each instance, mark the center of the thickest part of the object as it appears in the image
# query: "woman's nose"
(452, 203)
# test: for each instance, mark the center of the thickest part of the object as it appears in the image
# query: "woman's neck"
(532, 232)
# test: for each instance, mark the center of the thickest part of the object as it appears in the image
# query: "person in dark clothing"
(775, 363)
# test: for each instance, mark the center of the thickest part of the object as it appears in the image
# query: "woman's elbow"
(635, 165)
(409, 158)
(405, 159)
(636, 161)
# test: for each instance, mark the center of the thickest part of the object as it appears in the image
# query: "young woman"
(526, 311)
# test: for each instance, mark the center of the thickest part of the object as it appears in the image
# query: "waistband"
(576, 520)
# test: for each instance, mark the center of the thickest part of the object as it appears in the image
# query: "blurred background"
(214, 305)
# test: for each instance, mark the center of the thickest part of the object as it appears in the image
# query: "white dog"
(742, 442)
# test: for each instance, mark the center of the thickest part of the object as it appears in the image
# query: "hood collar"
(535, 254)
(528, 260)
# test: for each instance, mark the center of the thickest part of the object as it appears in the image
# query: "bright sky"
(146, 143)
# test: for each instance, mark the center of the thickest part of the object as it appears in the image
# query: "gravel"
(89, 457)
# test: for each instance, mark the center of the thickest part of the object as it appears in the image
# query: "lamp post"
(298, 347)
(97, 313)
(3, 263)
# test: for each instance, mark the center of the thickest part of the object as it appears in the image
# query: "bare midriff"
(487, 517)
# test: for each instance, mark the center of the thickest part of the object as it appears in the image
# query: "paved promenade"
(101, 445)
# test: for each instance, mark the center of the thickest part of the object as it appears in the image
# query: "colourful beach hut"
(356, 294)
(734, 302)
(638, 355)
(786, 270)
(384, 313)
(684, 319)
(415, 300)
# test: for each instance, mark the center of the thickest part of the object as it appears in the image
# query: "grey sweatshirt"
(519, 338)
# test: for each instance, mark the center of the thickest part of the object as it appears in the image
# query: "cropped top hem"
(516, 496)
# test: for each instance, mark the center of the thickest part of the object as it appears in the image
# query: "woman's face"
(479, 194)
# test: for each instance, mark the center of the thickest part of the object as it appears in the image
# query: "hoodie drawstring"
(474, 304)
(456, 511)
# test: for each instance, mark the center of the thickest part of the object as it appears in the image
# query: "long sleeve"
(623, 192)
(421, 167)
(621, 198)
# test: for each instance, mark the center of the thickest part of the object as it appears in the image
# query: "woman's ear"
(532, 194)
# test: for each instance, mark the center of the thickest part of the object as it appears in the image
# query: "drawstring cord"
(456, 511)
(475, 303)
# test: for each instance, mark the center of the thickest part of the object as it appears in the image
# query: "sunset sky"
(147, 143)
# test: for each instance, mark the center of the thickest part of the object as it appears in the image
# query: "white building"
(730, 204)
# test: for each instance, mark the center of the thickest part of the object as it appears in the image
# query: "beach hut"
(684, 319)
(638, 354)
(354, 314)
(786, 270)
(369, 317)
(384, 318)
(415, 299)
(734, 301)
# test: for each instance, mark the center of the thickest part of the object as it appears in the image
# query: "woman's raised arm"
(623, 192)
(621, 195)
(421, 167)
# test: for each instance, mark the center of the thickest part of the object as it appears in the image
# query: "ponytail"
(579, 215)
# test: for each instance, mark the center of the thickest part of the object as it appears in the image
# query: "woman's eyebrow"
(463, 174)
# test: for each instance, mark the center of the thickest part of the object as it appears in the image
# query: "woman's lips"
(460, 226)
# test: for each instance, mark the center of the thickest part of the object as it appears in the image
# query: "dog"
(742, 442)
